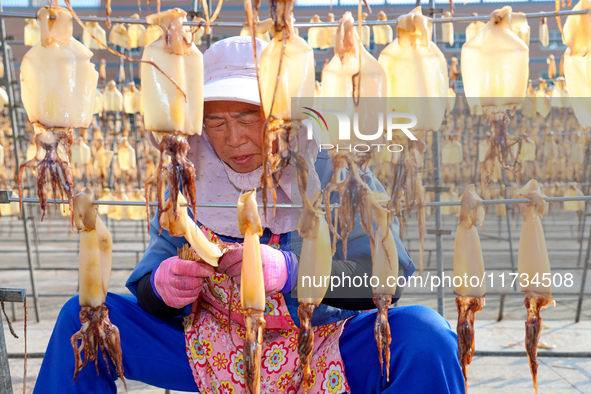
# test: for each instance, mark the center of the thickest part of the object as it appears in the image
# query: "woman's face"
(234, 129)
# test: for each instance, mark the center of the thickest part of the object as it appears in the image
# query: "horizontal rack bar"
(143, 204)
(296, 206)
(460, 19)
(552, 354)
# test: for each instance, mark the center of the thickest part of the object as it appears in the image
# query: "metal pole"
(5, 382)
(15, 133)
(509, 232)
(33, 218)
(583, 280)
(138, 171)
(584, 215)
(209, 36)
(7, 295)
(437, 184)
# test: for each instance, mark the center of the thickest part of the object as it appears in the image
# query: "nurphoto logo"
(394, 121)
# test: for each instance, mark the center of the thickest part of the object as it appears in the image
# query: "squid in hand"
(172, 99)
(180, 224)
(315, 262)
(495, 68)
(534, 269)
(252, 289)
(286, 73)
(384, 256)
(96, 246)
(348, 80)
(58, 82)
(468, 263)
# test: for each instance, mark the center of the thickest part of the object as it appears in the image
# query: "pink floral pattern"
(214, 333)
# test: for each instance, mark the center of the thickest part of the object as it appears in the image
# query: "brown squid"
(97, 331)
(252, 289)
(172, 99)
(58, 82)
(468, 263)
(384, 256)
(315, 262)
(534, 270)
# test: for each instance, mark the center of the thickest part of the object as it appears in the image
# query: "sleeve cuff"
(152, 283)
(292, 264)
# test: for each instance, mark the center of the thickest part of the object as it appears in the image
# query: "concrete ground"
(501, 373)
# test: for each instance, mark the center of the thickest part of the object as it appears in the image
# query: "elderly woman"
(181, 332)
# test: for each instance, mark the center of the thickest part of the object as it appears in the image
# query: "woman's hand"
(179, 282)
(275, 273)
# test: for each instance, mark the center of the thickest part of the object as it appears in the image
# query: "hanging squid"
(418, 84)
(315, 262)
(495, 68)
(58, 82)
(286, 73)
(384, 256)
(252, 289)
(96, 247)
(172, 100)
(348, 80)
(468, 263)
(534, 269)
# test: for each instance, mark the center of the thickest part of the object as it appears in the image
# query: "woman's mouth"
(242, 160)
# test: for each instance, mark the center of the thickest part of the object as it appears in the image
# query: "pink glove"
(275, 273)
(179, 282)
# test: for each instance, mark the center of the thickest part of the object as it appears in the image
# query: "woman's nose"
(236, 135)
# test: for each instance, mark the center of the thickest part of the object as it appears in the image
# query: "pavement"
(503, 369)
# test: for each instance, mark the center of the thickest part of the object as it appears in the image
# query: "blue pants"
(424, 353)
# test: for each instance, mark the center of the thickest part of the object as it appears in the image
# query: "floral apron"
(214, 344)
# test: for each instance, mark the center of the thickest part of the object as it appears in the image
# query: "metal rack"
(437, 188)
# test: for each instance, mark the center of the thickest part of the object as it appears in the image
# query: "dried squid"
(447, 30)
(94, 29)
(495, 68)
(348, 80)
(315, 262)
(468, 263)
(534, 269)
(97, 330)
(58, 96)
(382, 34)
(544, 35)
(32, 32)
(286, 73)
(172, 100)
(384, 256)
(418, 84)
(252, 289)
(315, 33)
